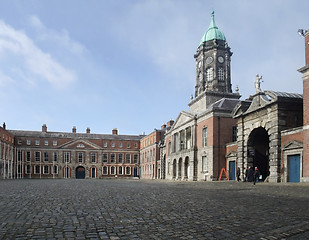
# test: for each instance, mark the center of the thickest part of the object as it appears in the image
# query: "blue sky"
(129, 65)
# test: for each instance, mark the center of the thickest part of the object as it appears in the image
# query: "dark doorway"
(258, 151)
(80, 172)
(232, 170)
(135, 172)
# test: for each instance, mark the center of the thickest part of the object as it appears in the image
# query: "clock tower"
(213, 68)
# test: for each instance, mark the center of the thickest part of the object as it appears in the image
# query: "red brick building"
(48, 154)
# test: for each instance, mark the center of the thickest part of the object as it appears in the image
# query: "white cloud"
(32, 59)
(62, 38)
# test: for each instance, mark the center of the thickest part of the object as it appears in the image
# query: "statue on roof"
(257, 83)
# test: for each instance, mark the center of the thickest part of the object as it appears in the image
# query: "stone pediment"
(79, 144)
(231, 154)
(183, 118)
(292, 145)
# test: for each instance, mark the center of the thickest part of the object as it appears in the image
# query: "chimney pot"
(115, 131)
(44, 128)
(74, 129)
(88, 130)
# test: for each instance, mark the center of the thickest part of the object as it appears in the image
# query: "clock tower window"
(221, 74)
(209, 74)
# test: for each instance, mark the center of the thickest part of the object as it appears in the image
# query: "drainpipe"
(218, 147)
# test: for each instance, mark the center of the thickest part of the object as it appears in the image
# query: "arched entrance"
(258, 151)
(174, 168)
(80, 172)
(179, 168)
(186, 170)
(93, 172)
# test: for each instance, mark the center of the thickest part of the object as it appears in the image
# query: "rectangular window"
(135, 145)
(93, 157)
(128, 170)
(128, 158)
(46, 169)
(19, 156)
(55, 156)
(46, 156)
(19, 141)
(37, 169)
(46, 142)
(234, 134)
(120, 144)
(28, 142)
(66, 157)
(113, 144)
(37, 142)
(112, 157)
(28, 169)
(112, 170)
(105, 158)
(105, 144)
(204, 164)
(128, 145)
(80, 157)
(104, 170)
(135, 158)
(120, 158)
(55, 143)
(37, 156)
(204, 133)
(55, 170)
(28, 156)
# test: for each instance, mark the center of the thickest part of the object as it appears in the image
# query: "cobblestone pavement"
(140, 209)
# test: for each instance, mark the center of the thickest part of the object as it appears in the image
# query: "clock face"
(209, 60)
(220, 59)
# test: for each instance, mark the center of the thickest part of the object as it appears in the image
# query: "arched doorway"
(93, 172)
(80, 172)
(186, 170)
(135, 172)
(258, 151)
(174, 168)
(179, 168)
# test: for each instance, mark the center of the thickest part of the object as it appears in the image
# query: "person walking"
(256, 175)
(238, 174)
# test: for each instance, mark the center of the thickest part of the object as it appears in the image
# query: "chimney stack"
(88, 130)
(170, 123)
(74, 129)
(163, 126)
(115, 131)
(44, 128)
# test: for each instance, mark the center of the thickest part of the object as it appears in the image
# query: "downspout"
(219, 146)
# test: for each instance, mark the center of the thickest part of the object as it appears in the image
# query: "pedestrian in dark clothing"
(247, 174)
(250, 174)
(256, 175)
(238, 174)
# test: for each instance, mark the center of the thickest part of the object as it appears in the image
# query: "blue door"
(294, 168)
(232, 168)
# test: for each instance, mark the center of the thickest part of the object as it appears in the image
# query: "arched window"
(209, 74)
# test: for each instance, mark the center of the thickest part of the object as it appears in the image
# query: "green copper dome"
(213, 31)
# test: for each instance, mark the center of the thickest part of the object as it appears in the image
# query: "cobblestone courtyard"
(138, 209)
